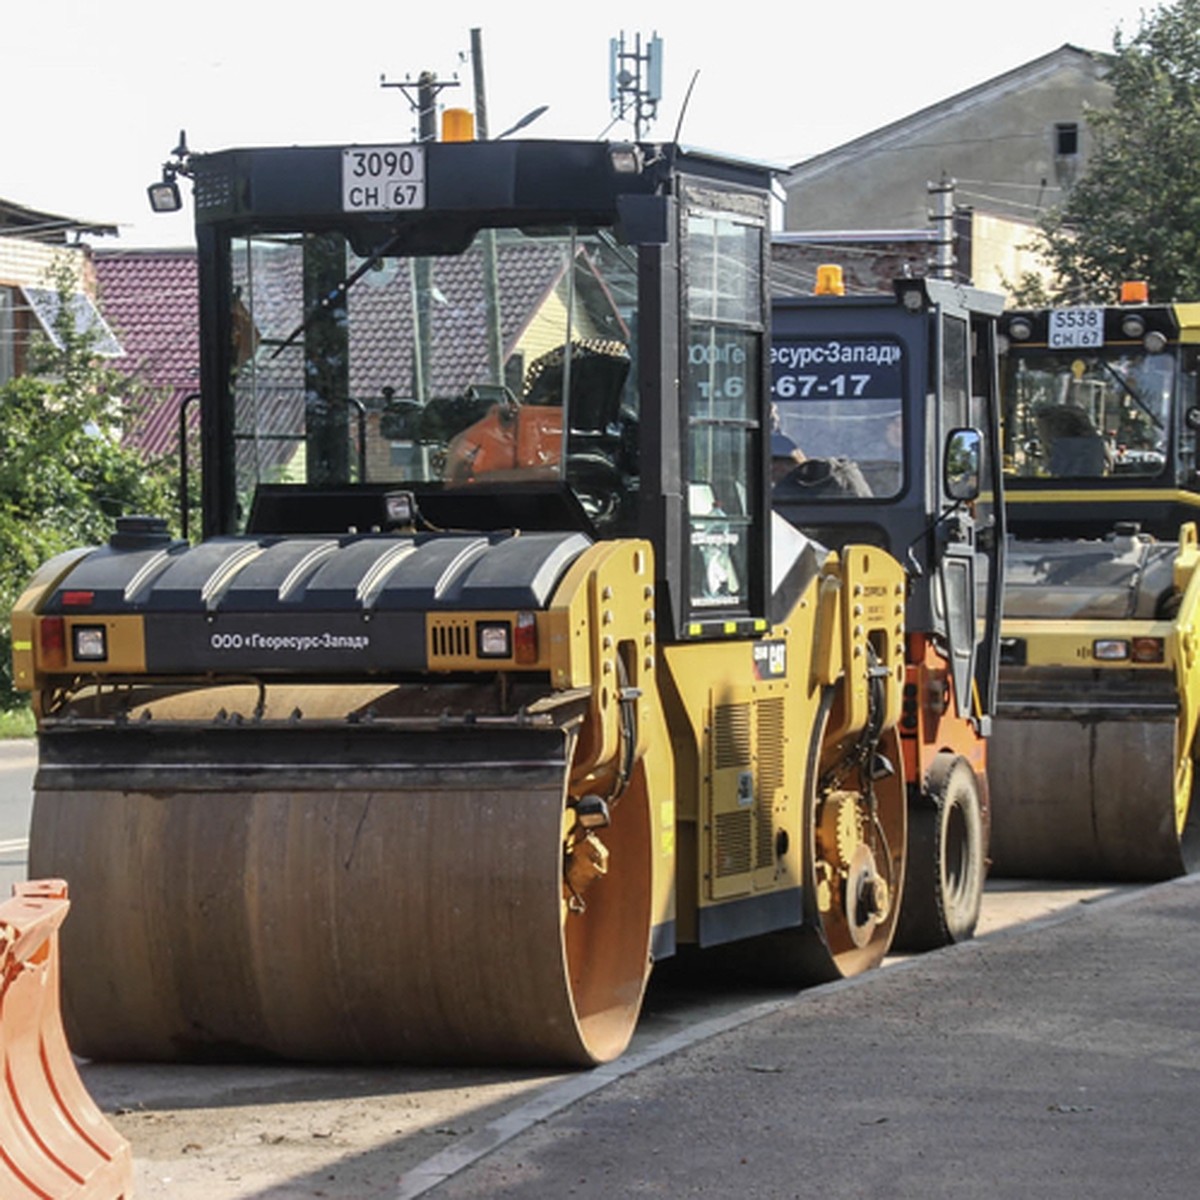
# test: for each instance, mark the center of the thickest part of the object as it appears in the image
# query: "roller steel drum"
(337, 897)
(1080, 798)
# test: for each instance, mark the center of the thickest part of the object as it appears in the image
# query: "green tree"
(1135, 212)
(64, 475)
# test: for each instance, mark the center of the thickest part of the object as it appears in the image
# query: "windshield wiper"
(1130, 391)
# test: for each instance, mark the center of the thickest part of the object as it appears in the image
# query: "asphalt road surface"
(18, 759)
(291, 1132)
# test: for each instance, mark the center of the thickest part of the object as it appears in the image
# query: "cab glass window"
(722, 367)
(1086, 412)
(837, 411)
(508, 362)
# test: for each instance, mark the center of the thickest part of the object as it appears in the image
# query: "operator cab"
(494, 337)
(1099, 407)
(886, 433)
(882, 407)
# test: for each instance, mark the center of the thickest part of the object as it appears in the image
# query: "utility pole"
(626, 87)
(491, 279)
(422, 96)
(942, 216)
(477, 75)
(422, 99)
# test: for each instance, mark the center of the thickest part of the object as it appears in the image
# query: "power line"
(1005, 183)
(1035, 208)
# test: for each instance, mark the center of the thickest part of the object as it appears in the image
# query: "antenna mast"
(635, 80)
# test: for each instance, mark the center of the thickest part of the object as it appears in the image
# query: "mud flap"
(54, 1140)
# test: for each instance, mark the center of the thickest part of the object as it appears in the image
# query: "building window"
(1066, 153)
(1066, 139)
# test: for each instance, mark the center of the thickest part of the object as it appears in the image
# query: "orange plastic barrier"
(55, 1144)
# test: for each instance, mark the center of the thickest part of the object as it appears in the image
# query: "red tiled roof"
(150, 298)
(382, 317)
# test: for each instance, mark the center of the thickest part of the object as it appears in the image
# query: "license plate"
(383, 178)
(1071, 327)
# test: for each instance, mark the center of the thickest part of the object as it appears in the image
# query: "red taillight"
(52, 643)
(78, 599)
(1148, 650)
(525, 643)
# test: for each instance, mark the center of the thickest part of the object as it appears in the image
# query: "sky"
(97, 91)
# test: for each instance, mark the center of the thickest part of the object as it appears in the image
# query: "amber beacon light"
(458, 125)
(829, 281)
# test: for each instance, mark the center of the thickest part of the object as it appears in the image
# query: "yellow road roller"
(490, 679)
(1092, 758)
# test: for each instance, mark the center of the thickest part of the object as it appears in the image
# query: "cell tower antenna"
(635, 80)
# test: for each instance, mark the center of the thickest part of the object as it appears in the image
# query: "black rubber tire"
(943, 885)
(597, 483)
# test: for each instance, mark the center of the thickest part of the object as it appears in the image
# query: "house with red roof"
(149, 297)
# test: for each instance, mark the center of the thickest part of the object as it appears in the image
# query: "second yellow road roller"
(1093, 755)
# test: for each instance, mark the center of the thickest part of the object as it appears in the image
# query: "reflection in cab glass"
(439, 370)
(723, 290)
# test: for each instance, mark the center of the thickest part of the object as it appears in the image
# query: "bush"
(64, 475)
